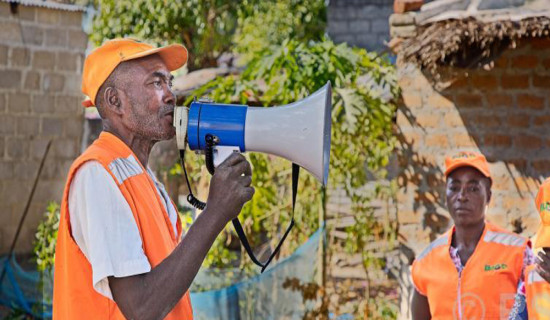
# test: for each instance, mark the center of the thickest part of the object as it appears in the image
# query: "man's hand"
(230, 187)
(543, 265)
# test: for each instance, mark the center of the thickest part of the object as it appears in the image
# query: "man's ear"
(112, 100)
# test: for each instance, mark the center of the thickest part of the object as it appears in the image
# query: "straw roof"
(472, 38)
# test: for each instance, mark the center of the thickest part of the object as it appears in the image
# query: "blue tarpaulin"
(259, 297)
(262, 296)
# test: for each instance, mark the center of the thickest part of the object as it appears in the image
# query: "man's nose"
(169, 96)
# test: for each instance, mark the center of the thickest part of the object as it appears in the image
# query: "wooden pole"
(322, 259)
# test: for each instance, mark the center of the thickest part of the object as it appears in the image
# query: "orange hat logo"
(464, 155)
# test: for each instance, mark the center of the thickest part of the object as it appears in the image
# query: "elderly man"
(120, 250)
(475, 270)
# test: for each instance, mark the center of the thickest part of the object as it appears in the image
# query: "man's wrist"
(213, 216)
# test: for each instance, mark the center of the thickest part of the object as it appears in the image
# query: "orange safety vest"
(74, 296)
(486, 286)
(537, 293)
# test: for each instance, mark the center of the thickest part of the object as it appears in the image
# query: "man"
(120, 252)
(537, 276)
(474, 270)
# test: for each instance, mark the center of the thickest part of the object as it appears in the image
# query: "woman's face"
(468, 193)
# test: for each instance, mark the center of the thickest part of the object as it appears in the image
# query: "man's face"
(468, 194)
(148, 99)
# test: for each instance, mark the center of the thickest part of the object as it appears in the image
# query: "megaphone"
(299, 132)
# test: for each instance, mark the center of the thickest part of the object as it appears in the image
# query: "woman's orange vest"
(487, 285)
(537, 294)
(74, 296)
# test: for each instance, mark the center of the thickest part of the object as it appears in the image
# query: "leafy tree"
(364, 86)
(209, 28)
(269, 23)
(205, 27)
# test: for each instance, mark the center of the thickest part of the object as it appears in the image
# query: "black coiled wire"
(211, 141)
(190, 197)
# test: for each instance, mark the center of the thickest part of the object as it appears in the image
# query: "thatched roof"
(471, 38)
(468, 43)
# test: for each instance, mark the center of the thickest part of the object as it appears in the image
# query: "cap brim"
(463, 164)
(174, 55)
(543, 237)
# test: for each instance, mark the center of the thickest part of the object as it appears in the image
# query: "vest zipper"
(459, 295)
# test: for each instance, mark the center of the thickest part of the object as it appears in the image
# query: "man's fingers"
(248, 193)
(543, 273)
(232, 160)
(544, 261)
(246, 180)
(242, 168)
(544, 267)
(544, 257)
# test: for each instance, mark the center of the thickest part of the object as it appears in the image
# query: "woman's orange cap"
(101, 62)
(467, 159)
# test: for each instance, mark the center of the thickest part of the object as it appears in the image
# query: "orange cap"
(542, 202)
(101, 62)
(467, 159)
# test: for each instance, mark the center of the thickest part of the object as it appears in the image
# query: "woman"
(474, 270)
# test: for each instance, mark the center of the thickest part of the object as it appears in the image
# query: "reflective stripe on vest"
(504, 238)
(498, 258)
(124, 168)
(74, 295)
(435, 244)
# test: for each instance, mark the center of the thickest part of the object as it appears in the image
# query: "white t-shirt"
(104, 227)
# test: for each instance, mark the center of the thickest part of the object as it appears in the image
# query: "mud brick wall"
(502, 113)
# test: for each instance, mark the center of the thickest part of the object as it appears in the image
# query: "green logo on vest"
(498, 266)
(545, 206)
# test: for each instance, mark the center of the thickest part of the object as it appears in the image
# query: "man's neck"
(141, 146)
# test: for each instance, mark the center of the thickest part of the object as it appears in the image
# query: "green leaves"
(46, 237)
(362, 140)
(349, 104)
(205, 27)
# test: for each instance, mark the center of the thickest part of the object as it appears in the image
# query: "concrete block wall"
(41, 56)
(502, 113)
(362, 23)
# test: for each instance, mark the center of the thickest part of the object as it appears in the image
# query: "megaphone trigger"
(223, 152)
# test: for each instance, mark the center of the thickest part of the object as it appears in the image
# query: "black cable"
(211, 141)
(190, 197)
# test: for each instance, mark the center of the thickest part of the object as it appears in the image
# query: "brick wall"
(41, 55)
(501, 113)
(362, 23)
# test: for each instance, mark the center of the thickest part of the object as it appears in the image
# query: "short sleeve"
(415, 277)
(104, 227)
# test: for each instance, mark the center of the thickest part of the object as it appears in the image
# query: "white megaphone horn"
(299, 132)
